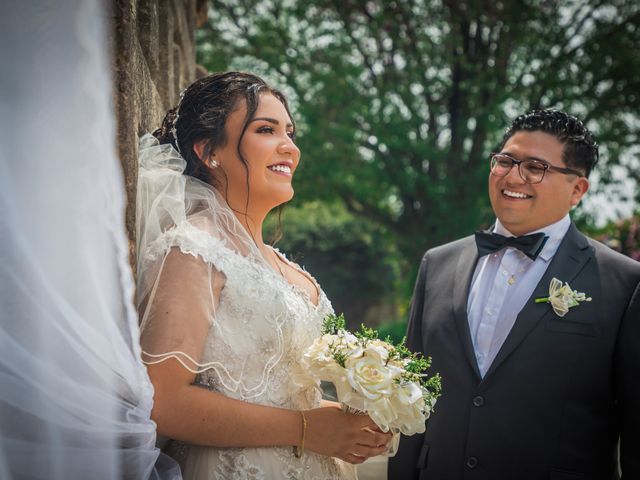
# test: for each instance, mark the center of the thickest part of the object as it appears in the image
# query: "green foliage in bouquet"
(333, 324)
(415, 365)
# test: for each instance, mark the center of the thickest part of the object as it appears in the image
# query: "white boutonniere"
(562, 298)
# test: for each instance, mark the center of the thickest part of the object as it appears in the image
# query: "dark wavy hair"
(203, 112)
(580, 147)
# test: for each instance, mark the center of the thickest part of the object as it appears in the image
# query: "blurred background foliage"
(398, 104)
(354, 259)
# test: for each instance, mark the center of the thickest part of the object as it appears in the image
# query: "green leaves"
(333, 324)
(414, 365)
(399, 103)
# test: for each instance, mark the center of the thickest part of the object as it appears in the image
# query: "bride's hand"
(352, 438)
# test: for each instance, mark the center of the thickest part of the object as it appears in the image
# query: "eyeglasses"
(531, 171)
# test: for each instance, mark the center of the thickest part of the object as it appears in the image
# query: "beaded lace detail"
(261, 327)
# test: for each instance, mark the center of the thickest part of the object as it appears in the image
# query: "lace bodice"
(261, 326)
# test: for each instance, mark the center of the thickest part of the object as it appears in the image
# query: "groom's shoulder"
(607, 257)
(451, 248)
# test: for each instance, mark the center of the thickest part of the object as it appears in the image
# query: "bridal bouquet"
(385, 381)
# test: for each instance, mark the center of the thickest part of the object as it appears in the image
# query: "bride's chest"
(258, 312)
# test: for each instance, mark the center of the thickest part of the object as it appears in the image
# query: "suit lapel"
(572, 255)
(461, 284)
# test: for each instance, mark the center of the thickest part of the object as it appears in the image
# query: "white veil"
(75, 399)
(191, 248)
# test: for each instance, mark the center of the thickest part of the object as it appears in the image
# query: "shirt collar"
(556, 232)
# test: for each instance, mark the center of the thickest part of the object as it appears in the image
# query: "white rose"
(403, 411)
(409, 404)
(369, 376)
(382, 344)
(407, 393)
(318, 362)
(347, 339)
(318, 352)
(377, 349)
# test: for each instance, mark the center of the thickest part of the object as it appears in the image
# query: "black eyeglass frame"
(545, 166)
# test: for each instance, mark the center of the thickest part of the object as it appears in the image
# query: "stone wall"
(154, 60)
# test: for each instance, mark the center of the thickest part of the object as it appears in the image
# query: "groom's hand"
(352, 438)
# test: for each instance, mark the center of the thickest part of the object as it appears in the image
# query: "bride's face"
(270, 152)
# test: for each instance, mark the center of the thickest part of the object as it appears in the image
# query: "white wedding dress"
(235, 322)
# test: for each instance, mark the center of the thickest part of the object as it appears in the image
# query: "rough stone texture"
(154, 60)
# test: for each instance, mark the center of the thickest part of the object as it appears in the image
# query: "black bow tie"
(531, 245)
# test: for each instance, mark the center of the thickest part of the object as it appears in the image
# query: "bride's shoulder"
(196, 237)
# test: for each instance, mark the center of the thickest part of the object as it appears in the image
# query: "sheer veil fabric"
(75, 399)
(179, 215)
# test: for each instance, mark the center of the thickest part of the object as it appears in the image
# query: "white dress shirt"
(502, 283)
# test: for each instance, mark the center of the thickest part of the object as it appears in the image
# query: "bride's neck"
(251, 216)
(252, 223)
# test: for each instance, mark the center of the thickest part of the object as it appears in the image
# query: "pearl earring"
(213, 163)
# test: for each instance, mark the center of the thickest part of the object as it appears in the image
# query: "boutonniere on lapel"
(562, 298)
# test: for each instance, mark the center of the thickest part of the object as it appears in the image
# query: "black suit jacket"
(561, 391)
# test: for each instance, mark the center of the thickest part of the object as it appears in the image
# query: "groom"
(529, 393)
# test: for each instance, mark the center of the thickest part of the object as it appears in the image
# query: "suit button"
(472, 462)
(478, 401)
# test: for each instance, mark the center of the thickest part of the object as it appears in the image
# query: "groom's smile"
(514, 194)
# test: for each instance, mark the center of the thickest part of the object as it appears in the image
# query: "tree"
(399, 102)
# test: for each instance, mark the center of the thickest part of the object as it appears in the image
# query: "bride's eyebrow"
(270, 120)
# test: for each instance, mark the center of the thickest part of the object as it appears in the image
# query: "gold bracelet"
(299, 450)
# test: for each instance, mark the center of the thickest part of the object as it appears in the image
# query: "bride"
(225, 317)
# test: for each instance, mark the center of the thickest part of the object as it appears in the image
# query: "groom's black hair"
(580, 147)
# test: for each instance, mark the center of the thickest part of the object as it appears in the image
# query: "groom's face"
(524, 207)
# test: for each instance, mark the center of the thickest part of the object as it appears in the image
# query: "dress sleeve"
(180, 292)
